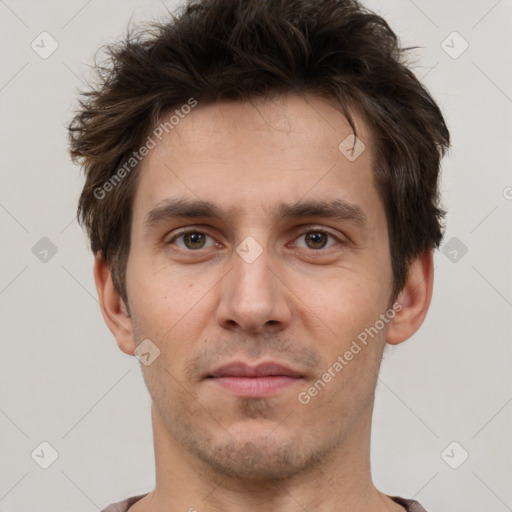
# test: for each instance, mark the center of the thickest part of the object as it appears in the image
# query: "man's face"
(254, 286)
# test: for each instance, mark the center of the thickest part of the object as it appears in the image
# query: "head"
(261, 119)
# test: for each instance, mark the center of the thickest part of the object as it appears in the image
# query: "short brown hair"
(215, 50)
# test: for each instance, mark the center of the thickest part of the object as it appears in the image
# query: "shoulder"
(123, 506)
(409, 505)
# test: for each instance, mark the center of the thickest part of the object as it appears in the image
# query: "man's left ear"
(414, 299)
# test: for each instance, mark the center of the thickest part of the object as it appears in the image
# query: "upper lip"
(264, 369)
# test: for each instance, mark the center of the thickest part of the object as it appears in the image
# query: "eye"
(192, 240)
(317, 239)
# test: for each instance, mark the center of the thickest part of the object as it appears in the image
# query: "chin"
(259, 458)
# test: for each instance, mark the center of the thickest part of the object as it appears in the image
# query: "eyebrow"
(336, 209)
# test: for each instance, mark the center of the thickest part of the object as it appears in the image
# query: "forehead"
(246, 157)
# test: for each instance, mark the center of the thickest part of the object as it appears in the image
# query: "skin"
(301, 302)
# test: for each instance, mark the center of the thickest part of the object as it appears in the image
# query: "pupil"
(195, 239)
(317, 239)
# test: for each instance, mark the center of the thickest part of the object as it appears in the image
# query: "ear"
(113, 308)
(414, 300)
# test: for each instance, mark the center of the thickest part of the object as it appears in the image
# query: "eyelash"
(196, 231)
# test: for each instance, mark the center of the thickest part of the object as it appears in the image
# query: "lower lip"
(254, 386)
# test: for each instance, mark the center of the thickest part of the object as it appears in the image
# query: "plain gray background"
(64, 381)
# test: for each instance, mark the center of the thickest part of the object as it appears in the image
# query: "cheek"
(344, 302)
(342, 314)
(171, 310)
(163, 295)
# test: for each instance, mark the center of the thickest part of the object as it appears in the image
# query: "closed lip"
(264, 369)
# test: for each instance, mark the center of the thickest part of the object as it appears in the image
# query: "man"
(262, 201)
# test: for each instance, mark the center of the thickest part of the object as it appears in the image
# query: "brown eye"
(316, 240)
(194, 240)
(191, 240)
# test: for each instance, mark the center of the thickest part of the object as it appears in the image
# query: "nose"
(253, 296)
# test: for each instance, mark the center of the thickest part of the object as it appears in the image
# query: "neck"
(339, 481)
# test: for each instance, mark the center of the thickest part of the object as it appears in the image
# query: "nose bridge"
(252, 279)
(251, 296)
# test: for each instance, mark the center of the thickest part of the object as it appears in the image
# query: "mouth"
(264, 379)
